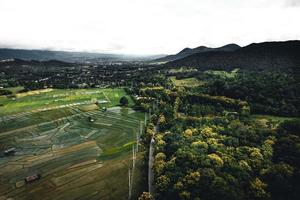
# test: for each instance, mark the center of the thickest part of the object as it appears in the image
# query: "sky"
(144, 27)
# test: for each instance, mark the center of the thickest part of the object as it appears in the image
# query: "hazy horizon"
(140, 27)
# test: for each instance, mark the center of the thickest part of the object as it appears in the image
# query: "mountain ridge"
(265, 55)
(201, 49)
(68, 56)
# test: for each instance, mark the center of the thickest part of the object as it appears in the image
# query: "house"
(102, 101)
(91, 119)
(32, 178)
(10, 151)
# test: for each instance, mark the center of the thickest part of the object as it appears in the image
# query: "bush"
(124, 101)
(5, 92)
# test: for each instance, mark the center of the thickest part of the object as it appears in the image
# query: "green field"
(275, 120)
(49, 98)
(182, 69)
(77, 158)
(186, 82)
(225, 74)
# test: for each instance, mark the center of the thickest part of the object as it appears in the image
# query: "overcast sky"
(144, 26)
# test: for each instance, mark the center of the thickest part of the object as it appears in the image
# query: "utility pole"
(145, 119)
(129, 184)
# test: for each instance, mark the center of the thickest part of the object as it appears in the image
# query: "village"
(37, 75)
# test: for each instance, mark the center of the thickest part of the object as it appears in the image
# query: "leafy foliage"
(124, 101)
(210, 147)
(267, 92)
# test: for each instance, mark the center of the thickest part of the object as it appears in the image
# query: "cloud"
(292, 3)
(144, 26)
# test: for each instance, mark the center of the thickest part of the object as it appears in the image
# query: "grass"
(187, 82)
(58, 97)
(272, 117)
(274, 120)
(225, 74)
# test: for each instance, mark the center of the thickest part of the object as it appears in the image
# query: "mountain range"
(201, 49)
(44, 55)
(266, 55)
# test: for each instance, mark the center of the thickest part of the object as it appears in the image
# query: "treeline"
(267, 92)
(202, 104)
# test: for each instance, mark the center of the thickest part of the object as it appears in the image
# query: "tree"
(207, 132)
(145, 196)
(258, 189)
(162, 183)
(162, 119)
(289, 127)
(159, 163)
(192, 178)
(283, 181)
(124, 101)
(188, 133)
(185, 195)
(5, 92)
(286, 148)
(217, 161)
(200, 144)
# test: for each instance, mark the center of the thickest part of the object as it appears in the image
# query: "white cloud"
(144, 26)
(292, 3)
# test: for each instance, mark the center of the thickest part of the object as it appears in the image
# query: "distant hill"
(188, 51)
(30, 63)
(266, 55)
(42, 55)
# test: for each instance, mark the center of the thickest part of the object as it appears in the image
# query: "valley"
(185, 129)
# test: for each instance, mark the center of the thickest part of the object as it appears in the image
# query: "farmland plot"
(76, 154)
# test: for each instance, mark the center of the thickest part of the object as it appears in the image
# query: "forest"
(210, 144)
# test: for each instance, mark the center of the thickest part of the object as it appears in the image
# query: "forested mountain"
(267, 55)
(189, 51)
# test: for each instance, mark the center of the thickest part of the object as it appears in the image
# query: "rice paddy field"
(78, 151)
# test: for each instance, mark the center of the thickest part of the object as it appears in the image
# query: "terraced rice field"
(79, 154)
